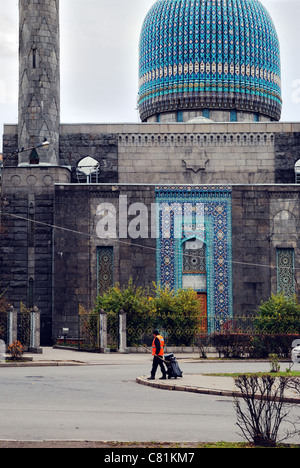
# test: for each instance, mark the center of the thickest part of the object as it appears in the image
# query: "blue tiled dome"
(209, 54)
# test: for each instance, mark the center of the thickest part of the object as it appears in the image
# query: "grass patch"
(133, 445)
(241, 445)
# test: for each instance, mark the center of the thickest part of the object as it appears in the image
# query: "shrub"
(232, 345)
(266, 344)
(278, 315)
(16, 350)
(134, 300)
(178, 314)
(174, 313)
(255, 346)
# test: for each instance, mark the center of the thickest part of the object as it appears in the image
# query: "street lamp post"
(45, 144)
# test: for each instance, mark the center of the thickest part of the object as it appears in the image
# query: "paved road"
(103, 402)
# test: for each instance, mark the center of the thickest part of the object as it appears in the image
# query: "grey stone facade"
(264, 218)
(26, 253)
(63, 264)
(235, 153)
(75, 250)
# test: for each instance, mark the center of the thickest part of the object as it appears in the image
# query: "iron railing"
(237, 337)
(17, 326)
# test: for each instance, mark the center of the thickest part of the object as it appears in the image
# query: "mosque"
(203, 193)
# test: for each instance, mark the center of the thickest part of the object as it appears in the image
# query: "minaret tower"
(39, 81)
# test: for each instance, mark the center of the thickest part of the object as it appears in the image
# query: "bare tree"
(262, 408)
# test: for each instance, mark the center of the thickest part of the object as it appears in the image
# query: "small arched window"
(194, 274)
(194, 256)
(88, 171)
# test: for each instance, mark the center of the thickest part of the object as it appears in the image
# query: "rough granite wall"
(102, 147)
(26, 239)
(287, 153)
(263, 218)
(75, 250)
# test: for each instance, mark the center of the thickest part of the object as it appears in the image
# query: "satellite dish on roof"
(88, 170)
(88, 165)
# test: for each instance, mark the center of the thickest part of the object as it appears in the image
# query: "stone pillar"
(2, 351)
(39, 80)
(12, 326)
(103, 331)
(123, 332)
(35, 331)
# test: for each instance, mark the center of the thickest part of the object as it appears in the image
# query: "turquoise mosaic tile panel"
(204, 213)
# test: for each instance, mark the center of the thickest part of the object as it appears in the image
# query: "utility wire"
(123, 242)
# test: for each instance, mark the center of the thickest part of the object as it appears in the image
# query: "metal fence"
(190, 335)
(20, 325)
(4, 326)
(89, 332)
(141, 334)
(236, 337)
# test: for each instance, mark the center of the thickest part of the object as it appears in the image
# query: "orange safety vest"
(162, 344)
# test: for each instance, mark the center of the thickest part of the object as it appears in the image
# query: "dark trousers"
(157, 362)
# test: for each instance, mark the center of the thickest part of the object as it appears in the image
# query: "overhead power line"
(124, 242)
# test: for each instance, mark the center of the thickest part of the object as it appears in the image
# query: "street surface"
(103, 402)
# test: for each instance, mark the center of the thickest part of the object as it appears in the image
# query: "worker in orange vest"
(158, 353)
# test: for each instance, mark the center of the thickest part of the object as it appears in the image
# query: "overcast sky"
(99, 58)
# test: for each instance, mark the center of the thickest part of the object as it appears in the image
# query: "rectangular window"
(206, 113)
(233, 116)
(285, 272)
(179, 116)
(105, 269)
(34, 58)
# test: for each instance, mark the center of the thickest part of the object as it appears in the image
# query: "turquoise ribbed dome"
(209, 54)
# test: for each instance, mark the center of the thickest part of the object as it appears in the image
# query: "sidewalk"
(191, 382)
(65, 357)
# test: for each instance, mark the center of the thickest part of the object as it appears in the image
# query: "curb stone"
(200, 390)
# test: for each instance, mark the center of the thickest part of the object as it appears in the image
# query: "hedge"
(259, 346)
